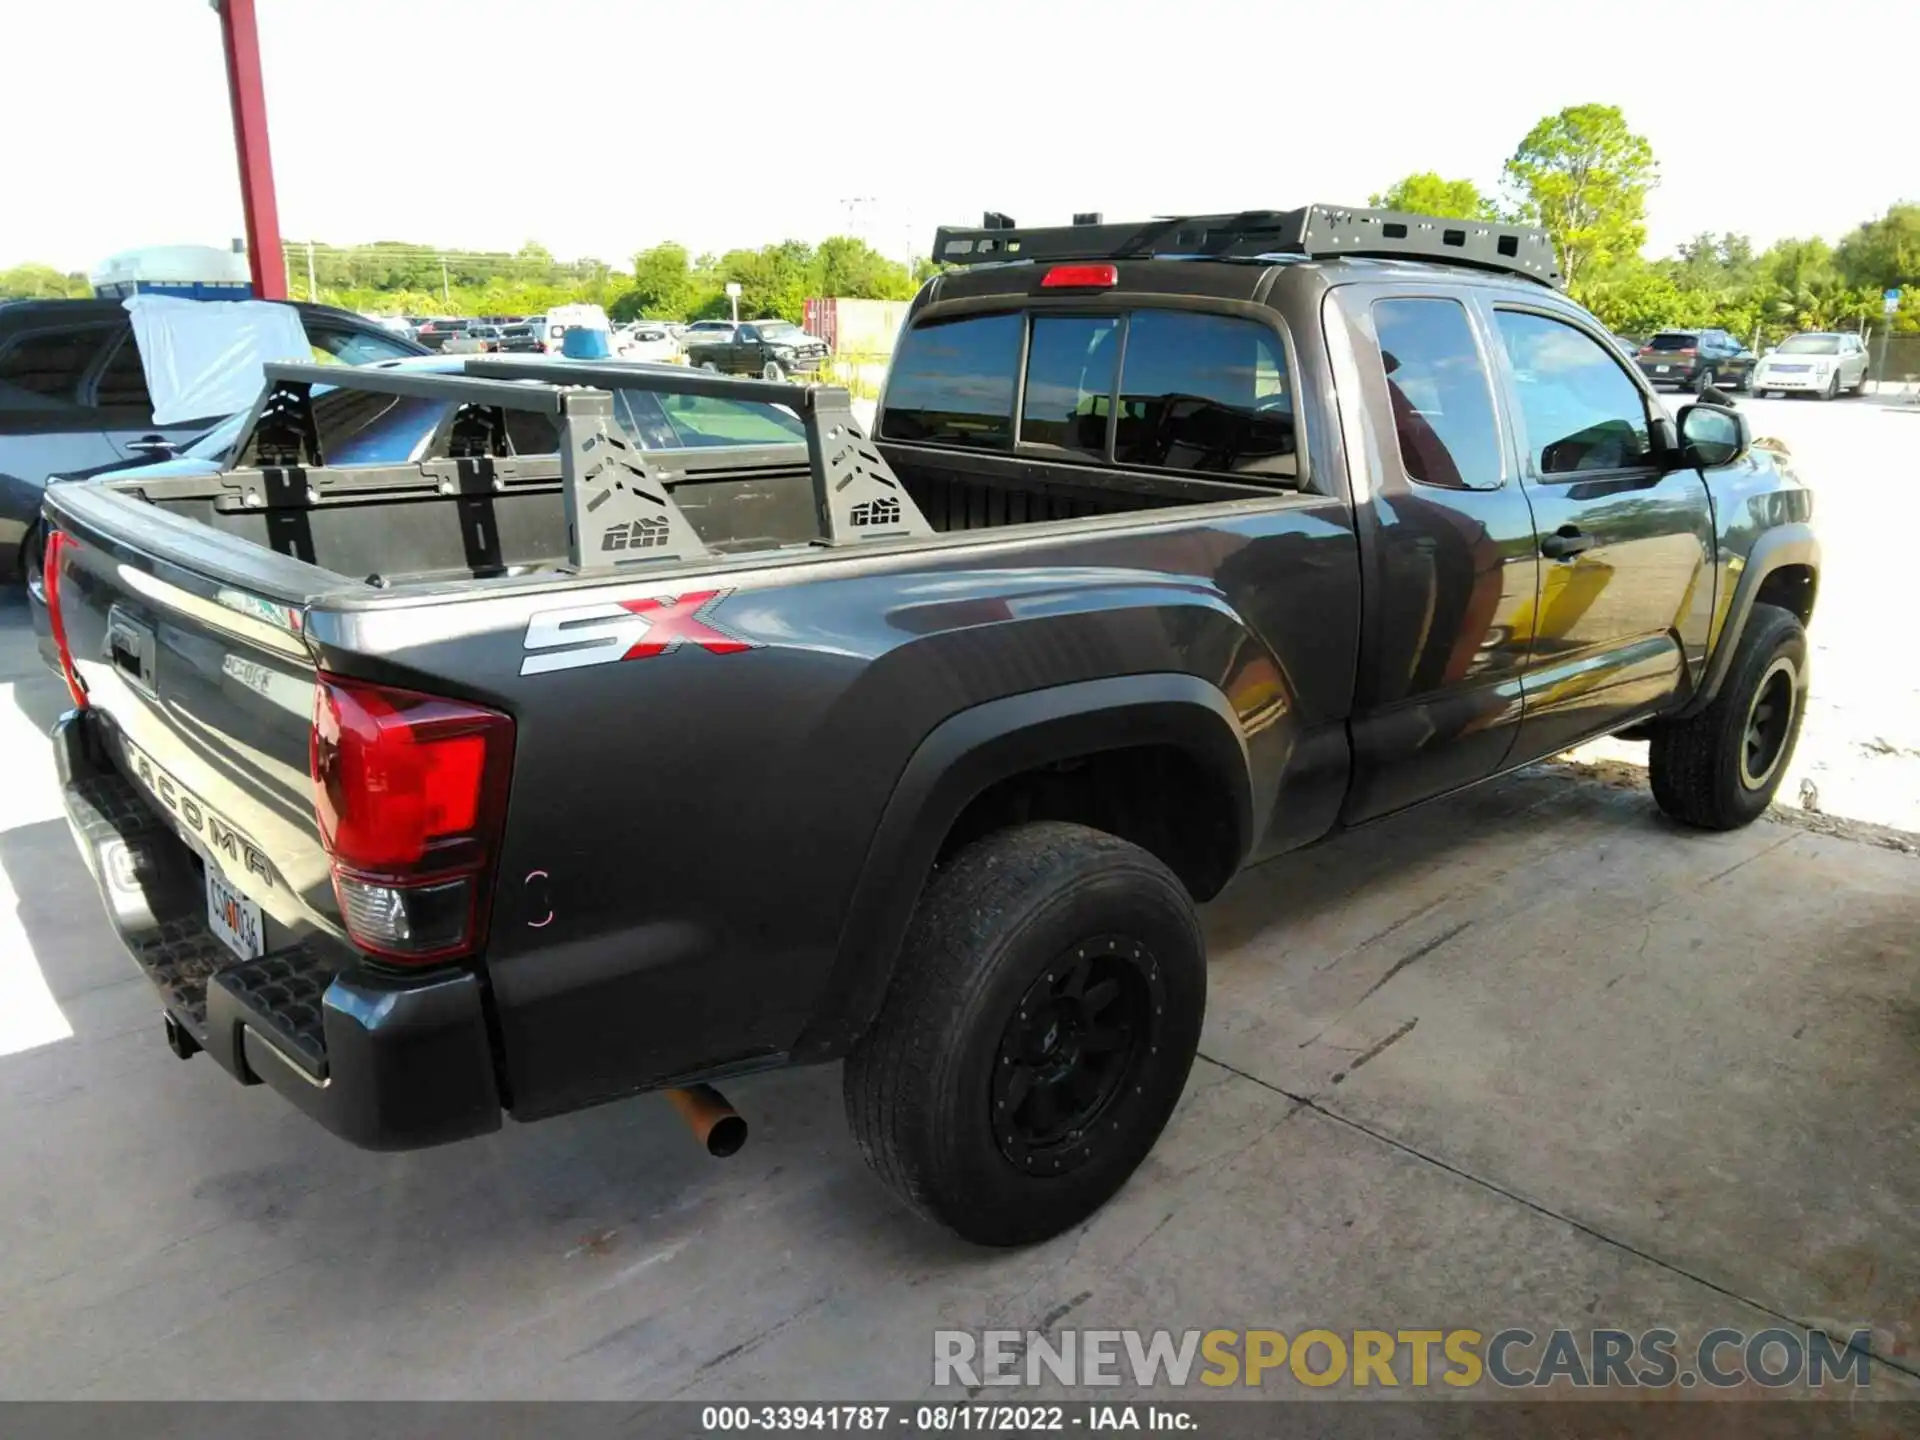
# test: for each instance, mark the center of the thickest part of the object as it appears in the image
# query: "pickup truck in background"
(496, 783)
(771, 349)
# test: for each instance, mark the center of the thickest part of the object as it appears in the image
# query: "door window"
(121, 386)
(1442, 399)
(1069, 395)
(41, 371)
(1205, 392)
(1580, 410)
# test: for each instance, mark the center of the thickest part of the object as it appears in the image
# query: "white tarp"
(203, 358)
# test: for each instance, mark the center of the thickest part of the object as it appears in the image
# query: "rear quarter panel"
(686, 828)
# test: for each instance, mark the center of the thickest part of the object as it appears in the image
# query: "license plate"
(233, 917)
(1661, 368)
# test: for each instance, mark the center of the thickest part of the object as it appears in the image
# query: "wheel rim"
(772, 372)
(1769, 721)
(1072, 1052)
(708, 365)
(1706, 381)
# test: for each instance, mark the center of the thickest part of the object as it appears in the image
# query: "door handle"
(1565, 543)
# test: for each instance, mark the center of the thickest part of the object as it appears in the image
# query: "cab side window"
(1442, 399)
(1580, 410)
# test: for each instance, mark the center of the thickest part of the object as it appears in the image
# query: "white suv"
(1819, 363)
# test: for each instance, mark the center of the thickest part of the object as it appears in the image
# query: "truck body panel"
(733, 774)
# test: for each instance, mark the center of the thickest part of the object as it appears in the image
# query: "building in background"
(193, 272)
(862, 328)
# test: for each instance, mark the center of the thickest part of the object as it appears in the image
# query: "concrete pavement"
(1527, 1057)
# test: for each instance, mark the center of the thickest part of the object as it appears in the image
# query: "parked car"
(526, 338)
(771, 349)
(73, 398)
(1815, 362)
(474, 340)
(642, 341)
(434, 334)
(1695, 359)
(572, 782)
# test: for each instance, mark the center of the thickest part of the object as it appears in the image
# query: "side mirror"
(1711, 436)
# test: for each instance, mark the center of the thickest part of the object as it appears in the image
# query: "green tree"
(42, 282)
(663, 285)
(1426, 193)
(1584, 176)
(1883, 254)
(845, 266)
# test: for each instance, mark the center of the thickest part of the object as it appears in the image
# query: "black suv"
(1694, 359)
(73, 397)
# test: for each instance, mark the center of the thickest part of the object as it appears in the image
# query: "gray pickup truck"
(503, 784)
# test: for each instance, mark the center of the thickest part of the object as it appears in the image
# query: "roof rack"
(619, 511)
(1313, 231)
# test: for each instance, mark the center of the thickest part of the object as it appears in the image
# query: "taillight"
(58, 543)
(411, 794)
(1081, 277)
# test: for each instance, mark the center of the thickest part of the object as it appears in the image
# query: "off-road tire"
(1697, 766)
(773, 370)
(996, 923)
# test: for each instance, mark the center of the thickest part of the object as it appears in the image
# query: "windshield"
(1810, 345)
(1673, 341)
(777, 327)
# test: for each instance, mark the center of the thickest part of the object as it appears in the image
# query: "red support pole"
(240, 37)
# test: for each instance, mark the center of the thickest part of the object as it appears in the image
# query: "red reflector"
(1081, 277)
(410, 793)
(58, 543)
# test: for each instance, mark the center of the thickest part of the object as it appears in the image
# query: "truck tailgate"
(201, 695)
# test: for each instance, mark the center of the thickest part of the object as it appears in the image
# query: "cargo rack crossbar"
(619, 511)
(1316, 232)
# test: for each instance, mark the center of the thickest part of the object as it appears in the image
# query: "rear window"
(1069, 395)
(1205, 392)
(1673, 340)
(953, 382)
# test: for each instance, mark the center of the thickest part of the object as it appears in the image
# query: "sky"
(599, 127)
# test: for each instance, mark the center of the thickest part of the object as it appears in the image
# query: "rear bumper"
(1682, 372)
(388, 1063)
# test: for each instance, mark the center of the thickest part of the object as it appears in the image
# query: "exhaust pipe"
(715, 1123)
(178, 1040)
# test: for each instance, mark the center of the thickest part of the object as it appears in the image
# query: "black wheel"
(710, 366)
(773, 370)
(1719, 769)
(1038, 1031)
(1704, 381)
(1744, 385)
(1832, 390)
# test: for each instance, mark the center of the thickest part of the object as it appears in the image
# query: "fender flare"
(1793, 544)
(964, 755)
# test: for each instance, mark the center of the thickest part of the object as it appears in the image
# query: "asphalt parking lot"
(1529, 1056)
